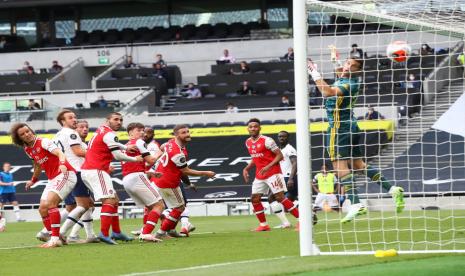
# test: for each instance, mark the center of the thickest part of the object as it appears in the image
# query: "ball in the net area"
(398, 51)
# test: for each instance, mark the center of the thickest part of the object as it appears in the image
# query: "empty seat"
(111, 36)
(128, 35)
(95, 37)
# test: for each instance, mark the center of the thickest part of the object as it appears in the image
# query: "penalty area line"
(19, 247)
(204, 266)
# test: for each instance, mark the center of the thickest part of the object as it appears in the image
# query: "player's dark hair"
(178, 127)
(283, 131)
(61, 115)
(15, 136)
(113, 114)
(132, 126)
(254, 120)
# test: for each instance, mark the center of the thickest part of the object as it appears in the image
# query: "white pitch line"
(204, 266)
(18, 247)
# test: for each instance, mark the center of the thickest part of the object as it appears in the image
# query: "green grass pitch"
(226, 246)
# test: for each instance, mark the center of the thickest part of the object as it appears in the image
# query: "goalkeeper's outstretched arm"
(322, 85)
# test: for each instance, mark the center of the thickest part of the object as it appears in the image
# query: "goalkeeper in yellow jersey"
(342, 141)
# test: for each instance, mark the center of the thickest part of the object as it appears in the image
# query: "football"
(398, 51)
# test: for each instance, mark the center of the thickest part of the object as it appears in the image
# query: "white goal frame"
(300, 8)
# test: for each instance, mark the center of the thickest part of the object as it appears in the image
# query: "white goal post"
(423, 159)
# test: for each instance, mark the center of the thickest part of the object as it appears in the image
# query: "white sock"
(63, 215)
(17, 213)
(278, 210)
(72, 219)
(185, 218)
(88, 222)
(76, 228)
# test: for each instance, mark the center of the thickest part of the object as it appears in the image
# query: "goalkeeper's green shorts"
(343, 143)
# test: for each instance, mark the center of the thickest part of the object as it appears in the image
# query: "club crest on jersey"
(73, 136)
(38, 150)
(116, 139)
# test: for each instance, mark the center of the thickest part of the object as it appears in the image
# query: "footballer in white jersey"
(70, 142)
(288, 164)
(65, 139)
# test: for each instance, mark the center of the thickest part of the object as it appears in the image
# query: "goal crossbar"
(371, 11)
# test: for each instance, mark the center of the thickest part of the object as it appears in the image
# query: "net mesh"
(409, 143)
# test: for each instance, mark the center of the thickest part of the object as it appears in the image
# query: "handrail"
(249, 110)
(106, 71)
(65, 69)
(140, 44)
(72, 91)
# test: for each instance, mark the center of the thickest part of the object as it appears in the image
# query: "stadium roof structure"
(439, 16)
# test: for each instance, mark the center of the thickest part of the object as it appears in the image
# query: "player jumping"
(342, 141)
(103, 147)
(47, 156)
(172, 165)
(265, 157)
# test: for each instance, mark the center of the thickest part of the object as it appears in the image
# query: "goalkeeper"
(342, 141)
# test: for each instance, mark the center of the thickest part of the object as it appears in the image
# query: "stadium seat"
(280, 122)
(211, 125)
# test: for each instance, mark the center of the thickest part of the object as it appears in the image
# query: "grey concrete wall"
(448, 70)
(76, 77)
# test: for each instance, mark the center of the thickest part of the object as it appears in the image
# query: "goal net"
(411, 119)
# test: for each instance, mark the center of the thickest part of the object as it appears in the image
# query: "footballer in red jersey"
(172, 166)
(102, 148)
(138, 186)
(61, 176)
(265, 157)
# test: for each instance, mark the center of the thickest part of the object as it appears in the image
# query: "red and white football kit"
(170, 164)
(135, 181)
(60, 183)
(261, 151)
(95, 170)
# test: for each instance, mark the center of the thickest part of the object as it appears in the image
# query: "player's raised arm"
(322, 85)
(111, 141)
(188, 171)
(335, 60)
(181, 162)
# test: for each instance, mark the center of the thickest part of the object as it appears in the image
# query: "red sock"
(46, 222)
(259, 211)
(115, 221)
(146, 214)
(55, 219)
(152, 219)
(106, 217)
(290, 207)
(171, 220)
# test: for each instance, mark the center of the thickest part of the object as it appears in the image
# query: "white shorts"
(172, 196)
(99, 182)
(275, 182)
(140, 189)
(62, 185)
(331, 199)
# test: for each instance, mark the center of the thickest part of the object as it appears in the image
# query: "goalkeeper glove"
(312, 70)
